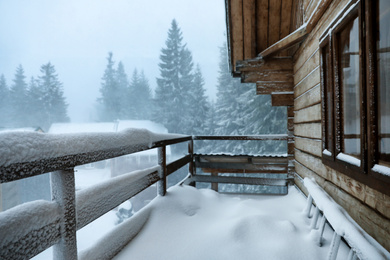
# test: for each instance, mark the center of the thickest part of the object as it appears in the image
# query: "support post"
(63, 192)
(334, 246)
(191, 167)
(214, 185)
(321, 230)
(315, 218)
(162, 161)
(307, 209)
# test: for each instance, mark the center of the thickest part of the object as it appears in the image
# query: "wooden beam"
(237, 30)
(268, 87)
(269, 75)
(299, 34)
(261, 65)
(288, 41)
(262, 25)
(274, 21)
(282, 99)
(249, 20)
(317, 14)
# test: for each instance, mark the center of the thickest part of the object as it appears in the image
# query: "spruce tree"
(35, 96)
(4, 103)
(144, 98)
(167, 103)
(111, 106)
(18, 102)
(120, 94)
(198, 105)
(53, 100)
(131, 101)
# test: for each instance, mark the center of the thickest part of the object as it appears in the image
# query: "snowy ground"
(201, 224)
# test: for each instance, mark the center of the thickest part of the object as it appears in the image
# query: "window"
(355, 81)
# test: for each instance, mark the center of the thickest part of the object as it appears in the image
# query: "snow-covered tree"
(18, 101)
(110, 96)
(35, 96)
(122, 85)
(239, 111)
(53, 100)
(140, 96)
(198, 105)
(4, 103)
(167, 104)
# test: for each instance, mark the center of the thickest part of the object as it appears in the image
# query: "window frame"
(330, 72)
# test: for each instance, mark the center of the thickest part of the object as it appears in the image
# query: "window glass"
(350, 85)
(383, 65)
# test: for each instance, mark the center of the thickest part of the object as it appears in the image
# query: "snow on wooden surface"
(94, 201)
(349, 159)
(382, 169)
(27, 229)
(362, 243)
(17, 147)
(201, 224)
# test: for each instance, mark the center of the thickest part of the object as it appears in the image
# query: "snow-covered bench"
(362, 245)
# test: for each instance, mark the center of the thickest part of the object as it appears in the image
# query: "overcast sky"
(76, 36)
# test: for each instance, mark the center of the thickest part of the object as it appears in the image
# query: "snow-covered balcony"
(182, 222)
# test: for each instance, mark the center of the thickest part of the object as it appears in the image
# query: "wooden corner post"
(63, 192)
(162, 172)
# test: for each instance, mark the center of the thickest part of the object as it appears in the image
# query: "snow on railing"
(30, 228)
(362, 244)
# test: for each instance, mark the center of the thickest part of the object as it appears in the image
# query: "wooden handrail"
(274, 137)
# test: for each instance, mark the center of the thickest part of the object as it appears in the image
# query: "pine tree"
(140, 96)
(131, 101)
(240, 111)
(53, 100)
(144, 98)
(167, 103)
(18, 102)
(120, 95)
(4, 103)
(111, 105)
(35, 96)
(198, 105)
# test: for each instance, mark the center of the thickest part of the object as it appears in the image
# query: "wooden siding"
(368, 207)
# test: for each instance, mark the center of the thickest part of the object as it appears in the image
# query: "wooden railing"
(29, 229)
(269, 171)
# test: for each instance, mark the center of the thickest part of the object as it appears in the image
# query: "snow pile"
(363, 244)
(201, 224)
(16, 147)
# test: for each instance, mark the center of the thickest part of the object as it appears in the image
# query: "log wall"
(368, 207)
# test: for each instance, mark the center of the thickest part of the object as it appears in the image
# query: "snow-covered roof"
(23, 129)
(146, 124)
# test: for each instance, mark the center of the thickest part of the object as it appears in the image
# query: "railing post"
(63, 192)
(162, 161)
(191, 152)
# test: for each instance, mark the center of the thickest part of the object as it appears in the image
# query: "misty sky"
(76, 36)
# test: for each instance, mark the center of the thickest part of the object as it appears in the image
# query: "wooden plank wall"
(368, 207)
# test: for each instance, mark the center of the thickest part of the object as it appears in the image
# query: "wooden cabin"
(328, 62)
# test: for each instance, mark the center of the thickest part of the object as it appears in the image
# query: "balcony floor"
(201, 224)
